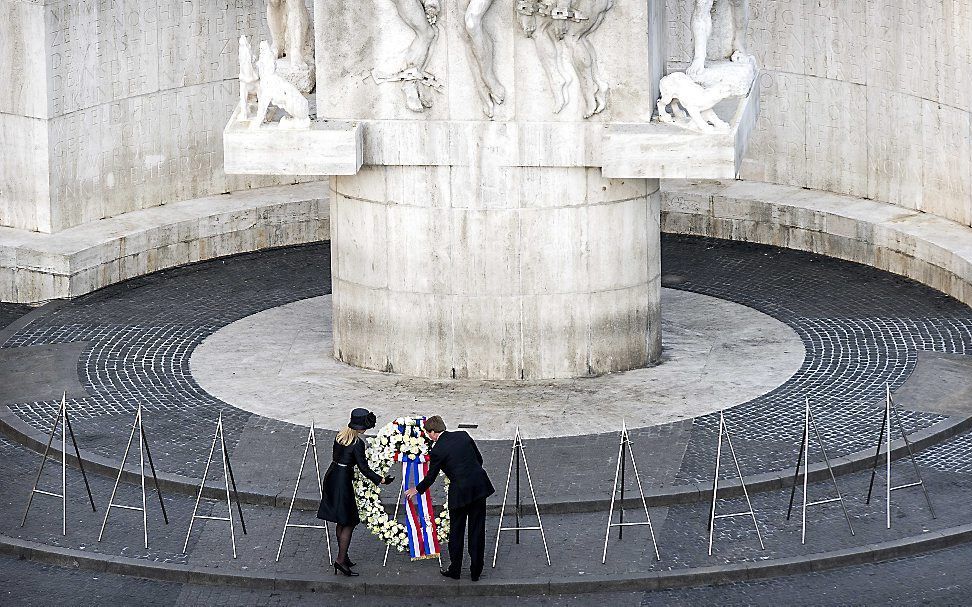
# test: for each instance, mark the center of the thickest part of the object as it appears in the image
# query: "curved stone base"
(494, 272)
(36, 267)
(929, 249)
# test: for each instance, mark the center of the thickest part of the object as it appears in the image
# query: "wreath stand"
(724, 431)
(516, 456)
(60, 419)
(311, 441)
(884, 437)
(227, 479)
(624, 446)
(143, 450)
(804, 457)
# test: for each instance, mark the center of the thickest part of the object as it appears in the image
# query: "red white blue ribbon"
(423, 537)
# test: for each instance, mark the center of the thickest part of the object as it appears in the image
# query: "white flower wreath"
(380, 454)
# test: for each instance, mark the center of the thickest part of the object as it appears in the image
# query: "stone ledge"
(328, 147)
(926, 248)
(38, 267)
(583, 584)
(665, 151)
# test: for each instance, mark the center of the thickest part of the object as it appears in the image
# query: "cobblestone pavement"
(10, 312)
(861, 328)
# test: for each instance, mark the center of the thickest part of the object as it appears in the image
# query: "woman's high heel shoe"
(343, 569)
(349, 562)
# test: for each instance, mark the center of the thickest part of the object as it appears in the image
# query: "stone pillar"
(503, 273)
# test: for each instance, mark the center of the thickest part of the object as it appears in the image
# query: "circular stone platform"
(716, 354)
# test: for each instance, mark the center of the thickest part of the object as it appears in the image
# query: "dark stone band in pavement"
(594, 583)
(23, 433)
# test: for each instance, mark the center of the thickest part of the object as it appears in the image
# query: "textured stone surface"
(113, 107)
(493, 272)
(37, 267)
(140, 337)
(868, 99)
(926, 248)
(275, 364)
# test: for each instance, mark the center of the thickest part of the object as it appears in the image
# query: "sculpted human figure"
(421, 17)
(249, 79)
(582, 22)
(290, 31)
(568, 25)
(702, 30)
(535, 22)
(482, 53)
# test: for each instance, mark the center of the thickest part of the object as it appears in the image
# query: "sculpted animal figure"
(291, 34)
(702, 30)
(249, 79)
(695, 100)
(276, 91)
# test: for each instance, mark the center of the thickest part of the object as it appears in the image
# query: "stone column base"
(495, 273)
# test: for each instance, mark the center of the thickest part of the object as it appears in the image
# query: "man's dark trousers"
(476, 513)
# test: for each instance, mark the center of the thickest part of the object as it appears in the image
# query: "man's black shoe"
(448, 573)
(475, 578)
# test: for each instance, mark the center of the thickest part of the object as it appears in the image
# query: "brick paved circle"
(861, 328)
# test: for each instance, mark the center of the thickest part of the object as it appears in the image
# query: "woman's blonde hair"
(347, 436)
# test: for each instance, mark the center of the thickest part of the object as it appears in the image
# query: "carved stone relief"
(561, 34)
(421, 16)
(692, 95)
(292, 42)
(702, 29)
(697, 96)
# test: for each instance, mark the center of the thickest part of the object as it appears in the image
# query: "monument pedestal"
(494, 181)
(497, 272)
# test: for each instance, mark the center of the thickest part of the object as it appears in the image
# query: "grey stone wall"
(110, 106)
(869, 98)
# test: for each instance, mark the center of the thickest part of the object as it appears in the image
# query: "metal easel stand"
(143, 451)
(884, 437)
(60, 419)
(724, 431)
(311, 441)
(516, 456)
(227, 479)
(624, 445)
(804, 458)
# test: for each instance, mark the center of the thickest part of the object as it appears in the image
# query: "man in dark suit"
(456, 454)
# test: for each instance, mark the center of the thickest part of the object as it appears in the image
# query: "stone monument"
(494, 180)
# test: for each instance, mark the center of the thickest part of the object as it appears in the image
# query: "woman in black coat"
(338, 505)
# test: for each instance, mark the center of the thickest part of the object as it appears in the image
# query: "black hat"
(362, 419)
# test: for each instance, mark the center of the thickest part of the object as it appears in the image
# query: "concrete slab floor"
(278, 363)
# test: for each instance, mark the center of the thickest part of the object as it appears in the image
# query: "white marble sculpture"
(292, 37)
(683, 93)
(271, 89)
(702, 30)
(565, 29)
(421, 16)
(249, 79)
(480, 46)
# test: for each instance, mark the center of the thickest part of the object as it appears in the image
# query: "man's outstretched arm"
(435, 465)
